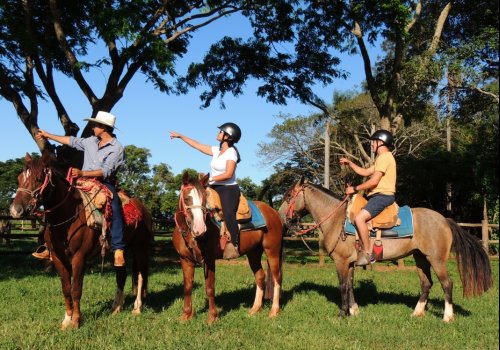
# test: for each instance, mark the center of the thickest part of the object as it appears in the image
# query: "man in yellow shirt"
(381, 187)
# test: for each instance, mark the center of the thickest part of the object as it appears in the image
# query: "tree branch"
(72, 60)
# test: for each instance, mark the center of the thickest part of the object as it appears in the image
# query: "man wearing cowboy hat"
(103, 155)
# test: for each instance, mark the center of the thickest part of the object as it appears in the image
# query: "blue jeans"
(116, 219)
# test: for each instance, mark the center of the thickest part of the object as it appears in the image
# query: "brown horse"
(433, 238)
(197, 240)
(69, 238)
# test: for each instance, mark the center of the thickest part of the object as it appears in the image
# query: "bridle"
(186, 209)
(37, 193)
(290, 210)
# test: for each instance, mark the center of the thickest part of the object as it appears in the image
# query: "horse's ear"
(301, 180)
(204, 179)
(27, 158)
(48, 158)
(185, 178)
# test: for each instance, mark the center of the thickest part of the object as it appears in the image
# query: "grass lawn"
(31, 308)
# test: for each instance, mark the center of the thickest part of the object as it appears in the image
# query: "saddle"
(96, 199)
(243, 213)
(386, 219)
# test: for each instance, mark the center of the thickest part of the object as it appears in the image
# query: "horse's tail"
(472, 261)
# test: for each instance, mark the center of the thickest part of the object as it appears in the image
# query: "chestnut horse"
(71, 241)
(433, 238)
(197, 240)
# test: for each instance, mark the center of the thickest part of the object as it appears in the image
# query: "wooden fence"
(163, 228)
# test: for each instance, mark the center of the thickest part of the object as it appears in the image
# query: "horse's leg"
(209, 269)
(188, 279)
(121, 277)
(64, 272)
(441, 270)
(78, 267)
(353, 306)
(424, 273)
(345, 285)
(140, 277)
(274, 260)
(254, 259)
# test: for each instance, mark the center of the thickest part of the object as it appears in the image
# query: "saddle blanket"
(405, 229)
(257, 220)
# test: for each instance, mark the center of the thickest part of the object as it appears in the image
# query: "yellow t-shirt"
(386, 164)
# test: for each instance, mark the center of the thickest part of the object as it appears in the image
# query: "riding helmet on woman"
(232, 130)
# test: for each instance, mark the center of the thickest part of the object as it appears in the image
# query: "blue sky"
(144, 115)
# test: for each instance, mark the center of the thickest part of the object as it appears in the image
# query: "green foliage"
(9, 170)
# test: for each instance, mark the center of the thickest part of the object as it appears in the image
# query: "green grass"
(31, 309)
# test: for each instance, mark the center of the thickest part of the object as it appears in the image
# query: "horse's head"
(190, 215)
(293, 202)
(32, 182)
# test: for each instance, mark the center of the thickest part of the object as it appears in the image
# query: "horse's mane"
(37, 166)
(198, 185)
(319, 188)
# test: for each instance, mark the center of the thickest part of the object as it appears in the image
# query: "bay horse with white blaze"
(433, 238)
(71, 241)
(197, 240)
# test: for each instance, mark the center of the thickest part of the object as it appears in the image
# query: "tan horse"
(196, 238)
(433, 239)
(69, 238)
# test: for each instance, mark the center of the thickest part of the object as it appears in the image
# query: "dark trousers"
(116, 220)
(229, 199)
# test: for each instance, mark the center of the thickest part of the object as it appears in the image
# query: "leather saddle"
(388, 218)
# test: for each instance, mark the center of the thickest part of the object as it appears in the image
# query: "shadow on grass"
(367, 294)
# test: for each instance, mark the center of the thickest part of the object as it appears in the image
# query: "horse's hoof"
(342, 314)
(253, 311)
(274, 313)
(185, 317)
(212, 319)
(136, 311)
(354, 310)
(418, 314)
(449, 319)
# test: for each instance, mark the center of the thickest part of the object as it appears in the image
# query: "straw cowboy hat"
(104, 118)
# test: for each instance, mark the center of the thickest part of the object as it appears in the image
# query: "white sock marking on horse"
(448, 312)
(259, 294)
(66, 321)
(419, 309)
(354, 309)
(138, 299)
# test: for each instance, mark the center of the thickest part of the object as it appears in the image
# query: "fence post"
(485, 235)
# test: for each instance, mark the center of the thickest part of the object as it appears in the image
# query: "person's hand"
(344, 161)
(41, 135)
(76, 173)
(174, 135)
(350, 190)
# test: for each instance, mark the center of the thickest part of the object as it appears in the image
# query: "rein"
(37, 192)
(70, 180)
(291, 209)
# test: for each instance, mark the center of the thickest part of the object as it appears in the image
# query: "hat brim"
(93, 120)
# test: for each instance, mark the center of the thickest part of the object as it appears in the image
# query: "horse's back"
(273, 219)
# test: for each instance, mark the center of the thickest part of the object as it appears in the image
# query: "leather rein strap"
(291, 209)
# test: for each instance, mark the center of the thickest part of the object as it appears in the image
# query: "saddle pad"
(257, 221)
(405, 229)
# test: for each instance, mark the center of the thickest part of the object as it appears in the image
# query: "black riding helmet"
(384, 136)
(232, 130)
